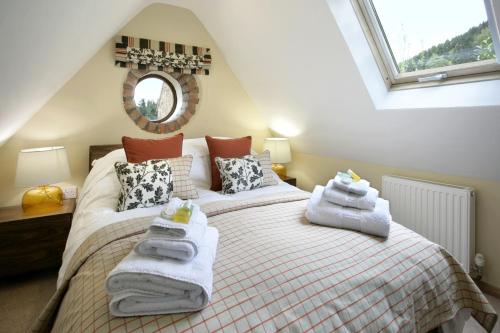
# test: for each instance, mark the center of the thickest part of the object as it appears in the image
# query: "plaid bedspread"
(277, 272)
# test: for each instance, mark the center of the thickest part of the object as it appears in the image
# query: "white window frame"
(461, 73)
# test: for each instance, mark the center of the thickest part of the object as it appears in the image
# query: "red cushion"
(140, 150)
(225, 148)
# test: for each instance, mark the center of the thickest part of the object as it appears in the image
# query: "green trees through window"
(148, 109)
(428, 40)
(474, 45)
(155, 97)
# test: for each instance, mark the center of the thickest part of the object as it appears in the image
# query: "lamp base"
(280, 170)
(42, 199)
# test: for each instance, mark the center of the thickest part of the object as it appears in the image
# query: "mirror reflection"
(155, 98)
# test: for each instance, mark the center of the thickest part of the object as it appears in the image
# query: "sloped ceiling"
(44, 43)
(291, 58)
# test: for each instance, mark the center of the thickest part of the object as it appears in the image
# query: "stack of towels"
(349, 202)
(169, 271)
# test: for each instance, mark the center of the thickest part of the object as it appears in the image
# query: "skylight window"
(431, 40)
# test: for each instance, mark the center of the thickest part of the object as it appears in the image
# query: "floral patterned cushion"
(240, 174)
(144, 184)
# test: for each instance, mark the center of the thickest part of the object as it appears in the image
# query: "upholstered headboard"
(99, 151)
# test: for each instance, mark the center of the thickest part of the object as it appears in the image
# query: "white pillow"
(110, 158)
(195, 147)
(102, 182)
(200, 172)
(200, 169)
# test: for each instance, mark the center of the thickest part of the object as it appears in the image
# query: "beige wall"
(88, 109)
(312, 169)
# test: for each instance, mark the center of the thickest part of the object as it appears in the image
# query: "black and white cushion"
(240, 174)
(145, 184)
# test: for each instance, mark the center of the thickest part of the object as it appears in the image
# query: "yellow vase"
(42, 199)
(280, 170)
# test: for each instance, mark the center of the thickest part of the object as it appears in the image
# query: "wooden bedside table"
(290, 180)
(33, 242)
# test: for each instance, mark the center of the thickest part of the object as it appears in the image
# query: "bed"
(274, 270)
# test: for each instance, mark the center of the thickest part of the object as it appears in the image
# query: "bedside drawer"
(32, 244)
(290, 180)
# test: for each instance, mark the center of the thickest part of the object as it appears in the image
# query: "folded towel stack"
(360, 187)
(166, 238)
(169, 271)
(337, 193)
(351, 205)
(141, 285)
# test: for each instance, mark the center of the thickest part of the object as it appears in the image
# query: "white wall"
(294, 62)
(290, 57)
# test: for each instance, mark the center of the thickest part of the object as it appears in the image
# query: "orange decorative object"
(42, 199)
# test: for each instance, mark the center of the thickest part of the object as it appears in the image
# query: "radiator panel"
(444, 214)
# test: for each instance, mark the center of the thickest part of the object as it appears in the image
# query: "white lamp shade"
(42, 166)
(279, 149)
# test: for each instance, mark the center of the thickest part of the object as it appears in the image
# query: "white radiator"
(442, 213)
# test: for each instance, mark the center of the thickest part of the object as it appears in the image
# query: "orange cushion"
(225, 148)
(140, 150)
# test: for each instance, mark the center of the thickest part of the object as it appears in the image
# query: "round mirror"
(155, 98)
(160, 102)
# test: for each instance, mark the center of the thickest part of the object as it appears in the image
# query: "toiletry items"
(354, 176)
(183, 213)
(171, 208)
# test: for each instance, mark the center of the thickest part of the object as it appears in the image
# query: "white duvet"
(96, 206)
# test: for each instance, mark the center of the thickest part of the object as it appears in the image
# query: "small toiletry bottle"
(183, 213)
(354, 176)
(169, 210)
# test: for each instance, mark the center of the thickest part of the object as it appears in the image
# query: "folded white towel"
(148, 286)
(376, 222)
(360, 188)
(167, 238)
(342, 198)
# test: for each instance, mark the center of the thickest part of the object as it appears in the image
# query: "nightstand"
(290, 180)
(30, 242)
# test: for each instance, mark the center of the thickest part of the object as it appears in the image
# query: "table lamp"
(40, 167)
(280, 153)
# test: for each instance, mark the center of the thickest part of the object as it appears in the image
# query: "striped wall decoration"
(147, 54)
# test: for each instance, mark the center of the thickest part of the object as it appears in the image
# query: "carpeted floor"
(22, 300)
